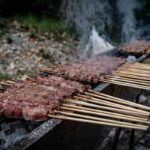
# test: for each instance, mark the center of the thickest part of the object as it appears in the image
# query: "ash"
(12, 131)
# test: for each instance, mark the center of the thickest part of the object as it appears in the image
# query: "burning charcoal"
(13, 132)
(44, 74)
(5, 126)
(30, 125)
(9, 131)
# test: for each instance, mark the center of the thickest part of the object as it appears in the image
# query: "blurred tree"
(37, 7)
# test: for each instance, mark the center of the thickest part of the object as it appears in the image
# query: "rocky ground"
(23, 51)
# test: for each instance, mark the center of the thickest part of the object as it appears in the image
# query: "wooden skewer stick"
(134, 66)
(134, 70)
(128, 78)
(145, 68)
(79, 102)
(107, 113)
(140, 65)
(132, 76)
(116, 99)
(133, 73)
(90, 111)
(116, 105)
(126, 84)
(97, 118)
(129, 81)
(112, 104)
(95, 122)
(106, 103)
(121, 79)
(140, 69)
(137, 64)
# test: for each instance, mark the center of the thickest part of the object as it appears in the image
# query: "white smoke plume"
(85, 14)
(96, 45)
(129, 23)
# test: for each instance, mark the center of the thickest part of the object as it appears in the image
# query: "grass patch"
(56, 28)
(5, 76)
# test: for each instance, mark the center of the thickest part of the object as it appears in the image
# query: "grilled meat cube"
(35, 113)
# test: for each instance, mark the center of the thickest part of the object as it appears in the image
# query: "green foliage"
(55, 27)
(2, 23)
(5, 76)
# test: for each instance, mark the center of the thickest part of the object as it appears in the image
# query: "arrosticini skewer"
(82, 119)
(116, 100)
(94, 110)
(108, 102)
(95, 120)
(94, 106)
(102, 113)
(105, 97)
(127, 78)
(135, 75)
(79, 109)
(122, 108)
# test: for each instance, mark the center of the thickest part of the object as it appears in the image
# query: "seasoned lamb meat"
(12, 111)
(89, 70)
(135, 48)
(35, 113)
(54, 81)
(33, 99)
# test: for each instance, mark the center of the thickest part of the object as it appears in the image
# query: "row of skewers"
(135, 75)
(98, 108)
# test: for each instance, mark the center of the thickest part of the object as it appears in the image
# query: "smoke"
(86, 14)
(96, 45)
(14, 131)
(102, 21)
(127, 8)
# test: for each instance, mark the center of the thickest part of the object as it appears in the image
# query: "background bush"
(48, 8)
